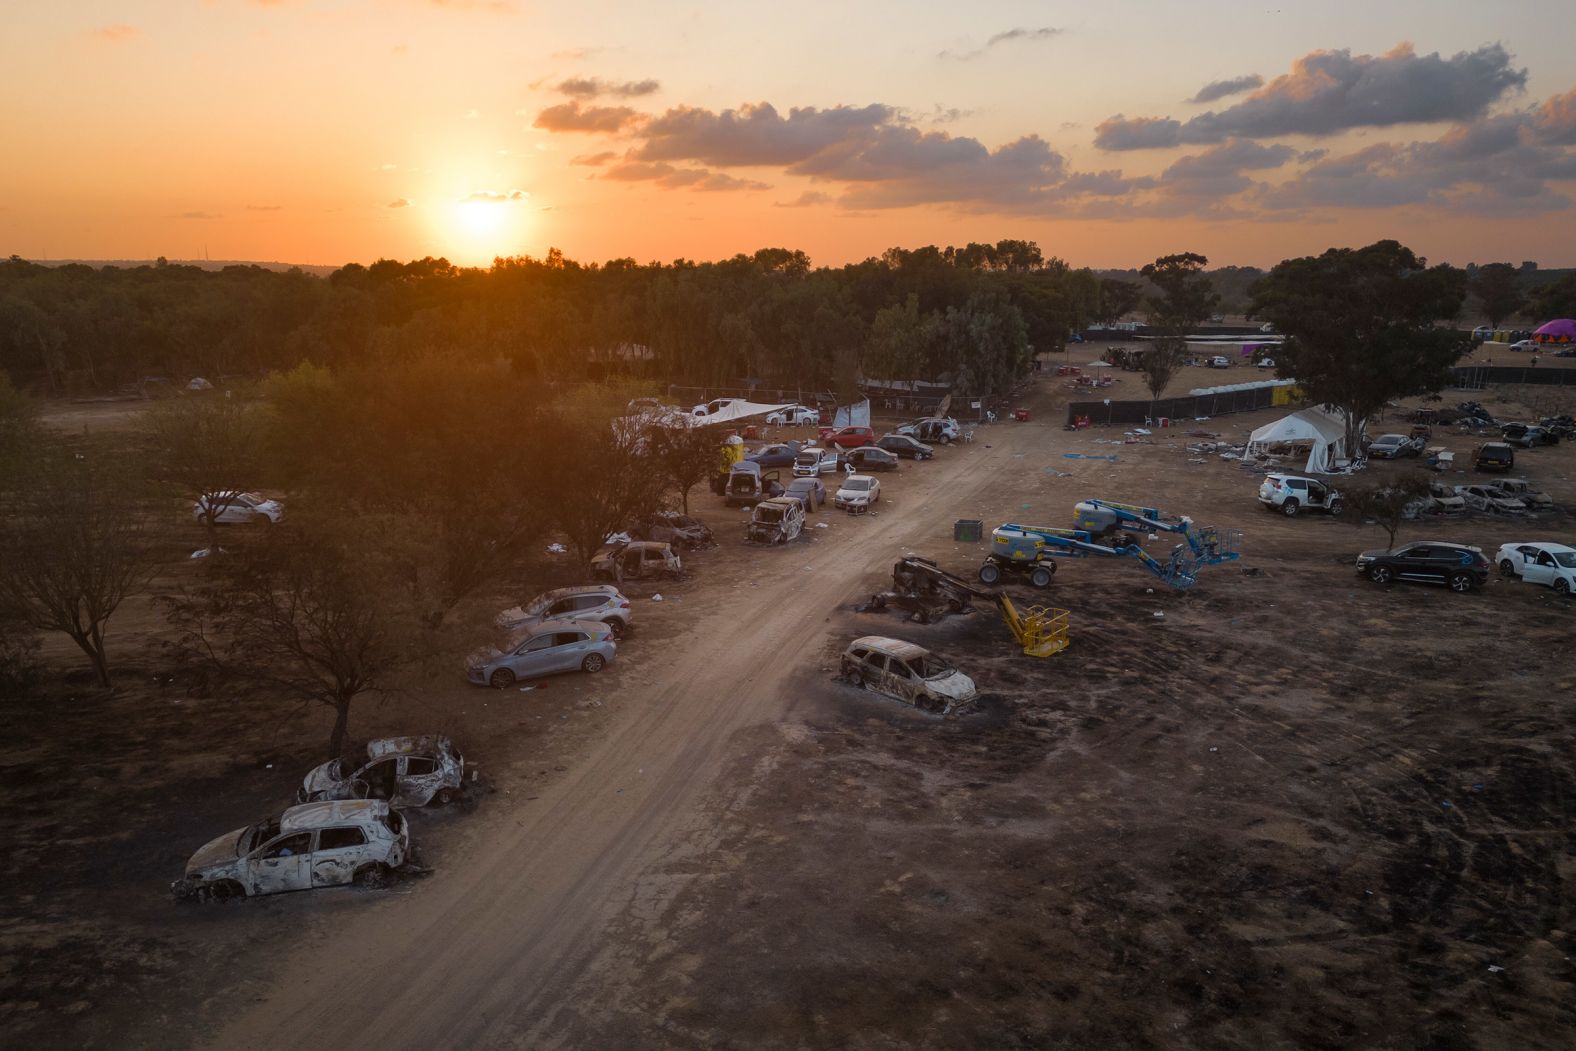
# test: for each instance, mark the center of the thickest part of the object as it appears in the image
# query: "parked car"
(775, 521)
(1290, 493)
(1220, 361)
(747, 483)
(543, 649)
(794, 416)
(314, 845)
(1482, 332)
(857, 493)
(711, 408)
(941, 429)
(1265, 363)
(1444, 500)
(600, 602)
(1494, 456)
(1524, 346)
(907, 672)
(781, 454)
(815, 461)
(1457, 566)
(1528, 435)
(809, 491)
(851, 437)
(1552, 565)
(905, 445)
(636, 560)
(405, 771)
(869, 458)
(228, 507)
(682, 531)
(1394, 446)
(1522, 490)
(1488, 498)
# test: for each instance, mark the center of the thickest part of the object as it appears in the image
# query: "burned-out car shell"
(910, 673)
(406, 771)
(315, 845)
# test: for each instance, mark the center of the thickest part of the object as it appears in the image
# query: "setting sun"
(484, 225)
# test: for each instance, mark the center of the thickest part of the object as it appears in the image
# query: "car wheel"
(223, 891)
(616, 628)
(855, 679)
(1562, 586)
(374, 877)
(1040, 577)
(1289, 508)
(1461, 583)
(1335, 507)
(1380, 574)
(443, 797)
(990, 573)
(501, 679)
(593, 663)
(1506, 569)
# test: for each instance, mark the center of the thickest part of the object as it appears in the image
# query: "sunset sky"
(327, 131)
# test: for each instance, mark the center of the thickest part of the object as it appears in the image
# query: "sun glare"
(481, 230)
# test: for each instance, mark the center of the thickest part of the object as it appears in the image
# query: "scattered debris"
(656, 598)
(556, 549)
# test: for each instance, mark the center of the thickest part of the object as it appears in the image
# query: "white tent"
(1322, 433)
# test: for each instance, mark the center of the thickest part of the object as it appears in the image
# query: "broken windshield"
(931, 666)
(768, 514)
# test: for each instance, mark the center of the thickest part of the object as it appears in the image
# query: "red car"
(852, 437)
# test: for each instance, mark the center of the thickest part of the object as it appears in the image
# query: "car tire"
(376, 876)
(1381, 574)
(617, 628)
(443, 797)
(990, 573)
(1507, 569)
(1289, 508)
(1461, 583)
(855, 679)
(593, 663)
(501, 679)
(218, 893)
(1040, 577)
(1334, 507)
(1562, 586)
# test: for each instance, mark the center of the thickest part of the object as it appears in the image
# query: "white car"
(309, 846)
(857, 493)
(1290, 493)
(1220, 362)
(230, 507)
(1524, 346)
(812, 462)
(794, 416)
(1487, 498)
(1553, 565)
(601, 602)
(1266, 363)
(711, 408)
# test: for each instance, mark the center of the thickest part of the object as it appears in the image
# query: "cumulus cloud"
(572, 116)
(1332, 91)
(115, 34)
(758, 134)
(1556, 120)
(670, 177)
(489, 197)
(593, 160)
(1220, 171)
(1005, 37)
(401, 202)
(596, 87)
(1219, 89)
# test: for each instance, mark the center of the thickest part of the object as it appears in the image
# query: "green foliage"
(1116, 300)
(1557, 299)
(1186, 296)
(18, 431)
(1360, 326)
(1497, 287)
(1384, 502)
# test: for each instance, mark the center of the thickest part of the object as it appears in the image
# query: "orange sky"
(293, 130)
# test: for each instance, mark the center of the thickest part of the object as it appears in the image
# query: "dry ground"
(1297, 810)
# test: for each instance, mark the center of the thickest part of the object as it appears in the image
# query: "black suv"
(1494, 456)
(1461, 567)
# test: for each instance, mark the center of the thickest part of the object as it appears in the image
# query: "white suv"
(1289, 493)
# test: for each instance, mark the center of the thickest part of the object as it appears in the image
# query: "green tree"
(685, 456)
(1186, 295)
(1116, 299)
(1360, 326)
(1498, 290)
(206, 447)
(1384, 503)
(1557, 299)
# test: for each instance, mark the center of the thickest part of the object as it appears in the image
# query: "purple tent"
(1561, 331)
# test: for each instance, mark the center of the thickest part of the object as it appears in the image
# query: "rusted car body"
(405, 771)
(909, 673)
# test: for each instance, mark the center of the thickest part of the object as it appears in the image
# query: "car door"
(339, 851)
(282, 865)
(379, 780)
(419, 779)
(1539, 568)
(568, 649)
(533, 658)
(1317, 495)
(1414, 563)
(873, 669)
(901, 682)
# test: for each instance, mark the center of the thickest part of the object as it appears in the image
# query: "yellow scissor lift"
(1040, 630)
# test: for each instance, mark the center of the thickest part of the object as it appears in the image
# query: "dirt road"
(478, 956)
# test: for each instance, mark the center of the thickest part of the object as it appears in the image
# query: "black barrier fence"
(1476, 377)
(1101, 413)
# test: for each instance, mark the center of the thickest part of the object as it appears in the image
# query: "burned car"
(909, 673)
(405, 771)
(671, 527)
(776, 521)
(315, 845)
(1521, 489)
(635, 560)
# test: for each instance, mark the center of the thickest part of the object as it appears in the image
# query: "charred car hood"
(954, 687)
(322, 778)
(221, 851)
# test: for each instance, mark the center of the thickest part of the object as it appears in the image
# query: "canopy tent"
(1323, 434)
(1561, 330)
(740, 410)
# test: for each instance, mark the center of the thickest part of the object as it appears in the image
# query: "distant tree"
(1384, 502)
(1360, 326)
(1557, 299)
(685, 456)
(73, 545)
(1117, 299)
(1186, 298)
(305, 611)
(207, 445)
(1159, 364)
(601, 480)
(18, 431)
(1498, 289)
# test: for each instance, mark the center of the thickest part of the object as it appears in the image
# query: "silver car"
(228, 507)
(601, 602)
(544, 649)
(310, 846)
(406, 771)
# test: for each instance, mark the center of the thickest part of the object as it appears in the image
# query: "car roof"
(308, 816)
(778, 501)
(577, 589)
(891, 647)
(550, 627)
(807, 483)
(1541, 545)
(406, 745)
(865, 477)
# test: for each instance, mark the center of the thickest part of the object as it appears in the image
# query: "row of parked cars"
(1463, 568)
(1292, 494)
(346, 827)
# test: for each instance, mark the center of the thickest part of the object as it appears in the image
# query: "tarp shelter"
(740, 410)
(1322, 434)
(855, 415)
(1562, 330)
